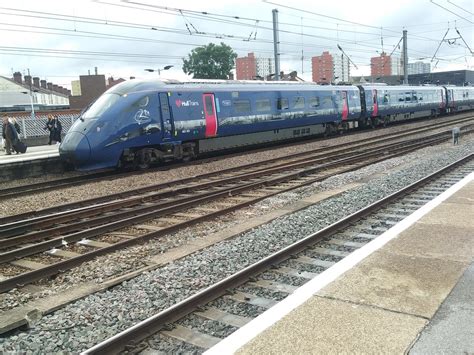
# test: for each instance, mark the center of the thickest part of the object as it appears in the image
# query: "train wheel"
(328, 132)
(143, 159)
(189, 152)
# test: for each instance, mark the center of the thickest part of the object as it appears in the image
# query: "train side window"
(386, 98)
(298, 102)
(313, 102)
(209, 107)
(327, 102)
(143, 102)
(401, 97)
(164, 105)
(282, 104)
(263, 105)
(407, 97)
(241, 106)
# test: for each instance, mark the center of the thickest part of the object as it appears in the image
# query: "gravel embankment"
(94, 318)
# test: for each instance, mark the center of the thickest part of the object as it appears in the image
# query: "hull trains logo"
(187, 103)
(142, 116)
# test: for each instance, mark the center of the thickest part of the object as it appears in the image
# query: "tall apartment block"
(385, 65)
(251, 67)
(328, 68)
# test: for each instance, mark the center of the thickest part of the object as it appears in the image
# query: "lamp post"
(31, 101)
(160, 69)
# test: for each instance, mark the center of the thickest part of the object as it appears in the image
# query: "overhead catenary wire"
(363, 42)
(444, 8)
(135, 25)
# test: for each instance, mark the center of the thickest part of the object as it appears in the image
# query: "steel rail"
(10, 238)
(15, 228)
(49, 270)
(151, 325)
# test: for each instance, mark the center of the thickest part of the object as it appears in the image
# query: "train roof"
(136, 85)
(218, 85)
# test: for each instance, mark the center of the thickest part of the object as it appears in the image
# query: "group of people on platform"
(54, 127)
(11, 133)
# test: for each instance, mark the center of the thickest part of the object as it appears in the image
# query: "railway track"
(23, 190)
(368, 142)
(67, 238)
(202, 320)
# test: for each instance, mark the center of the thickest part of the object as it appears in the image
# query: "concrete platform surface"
(451, 331)
(32, 153)
(402, 289)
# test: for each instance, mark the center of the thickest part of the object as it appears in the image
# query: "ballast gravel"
(85, 323)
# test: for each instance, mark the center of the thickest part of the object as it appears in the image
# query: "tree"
(210, 62)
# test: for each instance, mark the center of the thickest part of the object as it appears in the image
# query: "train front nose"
(75, 149)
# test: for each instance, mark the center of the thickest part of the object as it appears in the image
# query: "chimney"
(36, 82)
(111, 80)
(96, 71)
(43, 84)
(50, 86)
(17, 77)
(28, 80)
(55, 88)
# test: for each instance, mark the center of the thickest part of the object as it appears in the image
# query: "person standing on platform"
(15, 124)
(57, 130)
(9, 134)
(50, 127)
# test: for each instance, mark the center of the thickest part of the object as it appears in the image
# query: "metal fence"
(34, 127)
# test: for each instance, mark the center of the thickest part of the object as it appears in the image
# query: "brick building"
(328, 68)
(384, 65)
(91, 87)
(246, 67)
(323, 68)
(251, 67)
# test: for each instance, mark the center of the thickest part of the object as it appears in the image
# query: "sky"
(60, 40)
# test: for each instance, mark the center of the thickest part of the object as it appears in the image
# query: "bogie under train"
(141, 122)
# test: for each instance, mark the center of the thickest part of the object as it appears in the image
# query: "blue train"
(138, 123)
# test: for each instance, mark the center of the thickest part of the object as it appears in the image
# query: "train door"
(345, 106)
(443, 99)
(166, 119)
(210, 115)
(451, 102)
(375, 112)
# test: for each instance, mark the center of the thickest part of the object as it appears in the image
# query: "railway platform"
(32, 153)
(36, 161)
(408, 291)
